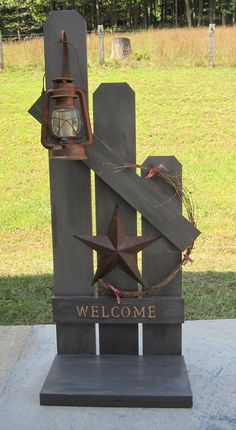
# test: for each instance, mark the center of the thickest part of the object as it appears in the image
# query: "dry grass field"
(167, 47)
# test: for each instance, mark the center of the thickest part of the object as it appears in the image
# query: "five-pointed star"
(117, 249)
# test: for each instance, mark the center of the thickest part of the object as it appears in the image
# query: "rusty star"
(117, 249)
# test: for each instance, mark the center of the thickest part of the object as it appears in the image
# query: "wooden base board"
(117, 380)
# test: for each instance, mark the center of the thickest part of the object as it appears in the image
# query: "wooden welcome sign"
(79, 375)
(158, 310)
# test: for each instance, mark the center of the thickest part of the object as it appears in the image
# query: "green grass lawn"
(186, 112)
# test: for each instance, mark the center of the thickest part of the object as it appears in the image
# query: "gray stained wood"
(71, 213)
(164, 218)
(70, 187)
(75, 339)
(75, 27)
(114, 124)
(158, 260)
(162, 339)
(77, 376)
(125, 381)
(158, 310)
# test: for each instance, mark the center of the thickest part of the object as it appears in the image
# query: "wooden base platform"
(117, 380)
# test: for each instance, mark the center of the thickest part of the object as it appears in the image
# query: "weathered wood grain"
(114, 124)
(124, 381)
(75, 338)
(71, 214)
(158, 260)
(69, 186)
(162, 339)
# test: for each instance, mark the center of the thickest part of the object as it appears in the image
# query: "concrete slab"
(210, 355)
(12, 341)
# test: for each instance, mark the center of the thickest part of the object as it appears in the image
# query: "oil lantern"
(66, 129)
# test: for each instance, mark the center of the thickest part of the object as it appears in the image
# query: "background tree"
(188, 13)
(19, 17)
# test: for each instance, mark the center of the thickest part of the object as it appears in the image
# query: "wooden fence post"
(212, 31)
(1, 53)
(101, 44)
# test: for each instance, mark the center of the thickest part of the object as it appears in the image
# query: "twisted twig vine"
(183, 193)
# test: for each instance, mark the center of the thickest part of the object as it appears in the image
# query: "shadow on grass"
(27, 299)
(209, 295)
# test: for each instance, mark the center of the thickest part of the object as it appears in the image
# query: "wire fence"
(27, 36)
(22, 36)
(161, 47)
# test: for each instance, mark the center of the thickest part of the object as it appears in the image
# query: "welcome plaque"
(162, 310)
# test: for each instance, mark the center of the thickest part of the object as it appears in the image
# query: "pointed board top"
(74, 25)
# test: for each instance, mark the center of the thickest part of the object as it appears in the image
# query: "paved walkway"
(210, 354)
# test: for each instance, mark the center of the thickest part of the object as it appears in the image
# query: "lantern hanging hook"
(63, 40)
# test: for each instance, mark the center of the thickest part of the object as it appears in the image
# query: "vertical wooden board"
(162, 256)
(71, 214)
(114, 124)
(75, 26)
(162, 339)
(118, 339)
(69, 180)
(158, 260)
(75, 339)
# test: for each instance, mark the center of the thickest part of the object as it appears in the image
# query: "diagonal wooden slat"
(134, 190)
(140, 196)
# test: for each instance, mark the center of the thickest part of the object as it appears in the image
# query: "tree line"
(19, 17)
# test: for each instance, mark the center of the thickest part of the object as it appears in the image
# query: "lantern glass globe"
(66, 122)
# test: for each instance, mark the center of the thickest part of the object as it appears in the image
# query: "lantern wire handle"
(66, 72)
(44, 84)
(63, 39)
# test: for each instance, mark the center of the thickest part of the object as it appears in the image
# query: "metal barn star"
(117, 249)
